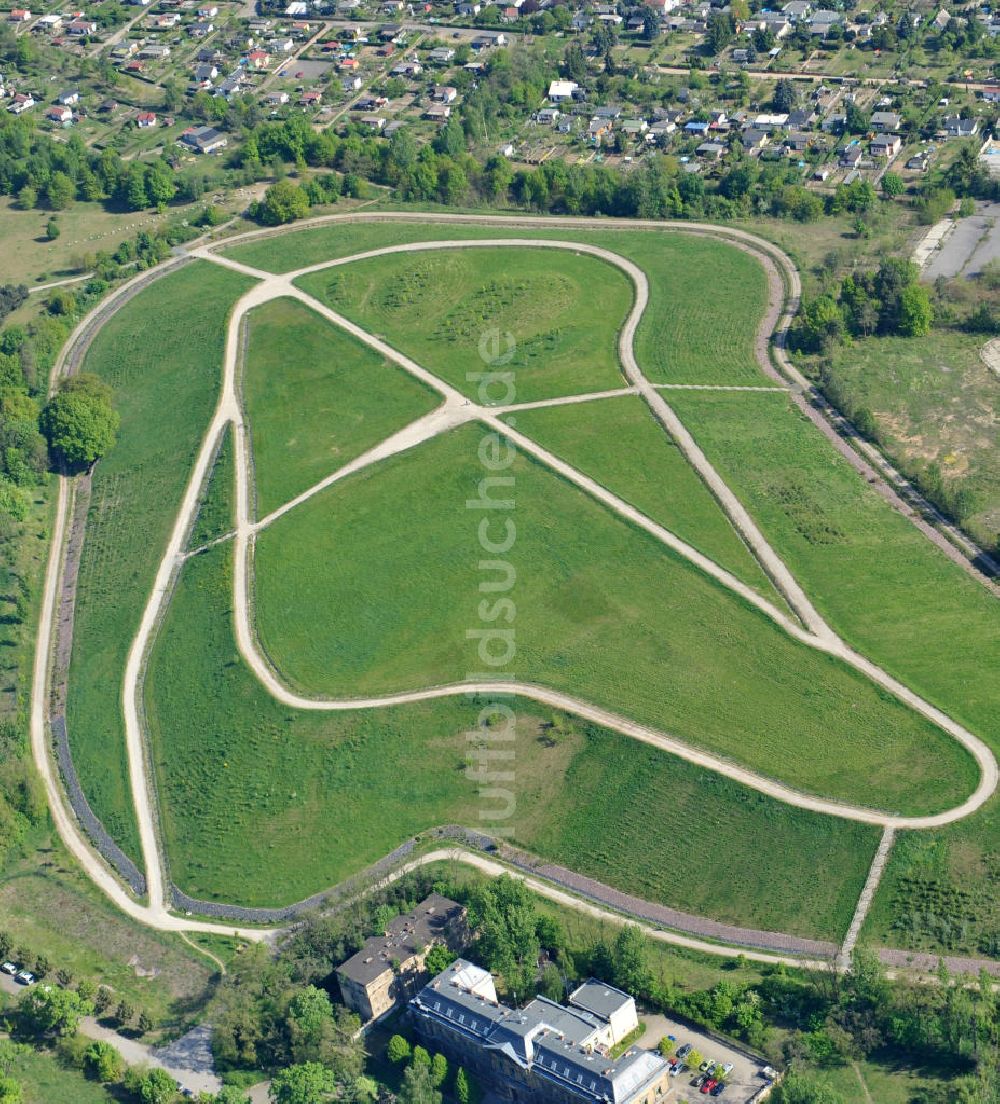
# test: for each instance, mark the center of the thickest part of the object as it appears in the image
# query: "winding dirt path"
(454, 410)
(457, 409)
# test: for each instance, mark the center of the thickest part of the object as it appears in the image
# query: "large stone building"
(544, 1051)
(389, 968)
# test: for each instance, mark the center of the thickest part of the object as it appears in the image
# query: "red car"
(709, 1085)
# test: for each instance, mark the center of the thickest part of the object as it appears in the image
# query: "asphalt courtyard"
(743, 1082)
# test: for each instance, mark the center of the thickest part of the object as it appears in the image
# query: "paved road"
(188, 1060)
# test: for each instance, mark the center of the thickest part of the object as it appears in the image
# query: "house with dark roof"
(389, 968)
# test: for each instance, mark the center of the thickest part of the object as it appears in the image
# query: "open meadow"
(316, 398)
(248, 786)
(900, 601)
(370, 587)
(619, 443)
(685, 336)
(556, 314)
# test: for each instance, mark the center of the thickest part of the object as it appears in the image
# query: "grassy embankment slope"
(604, 612)
(248, 785)
(316, 398)
(162, 355)
(897, 599)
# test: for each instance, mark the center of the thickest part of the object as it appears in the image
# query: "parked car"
(684, 1051)
(708, 1064)
(699, 1079)
(719, 1089)
(25, 977)
(727, 1069)
(769, 1073)
(9, 968)
(709, 1085)
(679, 1068)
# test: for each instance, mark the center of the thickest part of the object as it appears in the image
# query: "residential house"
(205, 74)
(957, 127)
(544, 1051)
(155, 51)
(942, 19)
(754, 139)
(919, 162)
(486, 39)
(821, 22)
(310, 99)
(165, 20)
(389, 967)
(258, 59)
(991, 93)
(797, 10)
(407, 69)
(849, 156)
(373, 122)
(69, 97)
(81, 27)
(22, 101)
(634, 128)
(276, 99)
(711, 151)
(599, 129)
(797, 142)
(547, 116)
(444, 93)
(59, 114)
(800, 119)
(886, 120)
(560, 91)
(635, 24)
(441, 55)
(438, 112)
(208, 12)
(50, 22)
(886, 145)
(204, 139)
(145, 120)
(351, 84)
(19, 15)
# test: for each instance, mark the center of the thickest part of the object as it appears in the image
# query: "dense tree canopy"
(79, 421)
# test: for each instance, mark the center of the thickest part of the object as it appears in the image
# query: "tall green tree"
(308, 1083)
(79, 422)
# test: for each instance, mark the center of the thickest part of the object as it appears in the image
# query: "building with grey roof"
(544, 1051)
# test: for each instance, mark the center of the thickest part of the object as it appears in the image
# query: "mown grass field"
(372, 586)
(619, 443)
(556, 314)
(316, 398)
(248, 786)
(696, 330)
(899, 601)
(162, 355)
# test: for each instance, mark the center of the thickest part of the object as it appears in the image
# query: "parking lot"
(974, 242)
(742, 1083)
